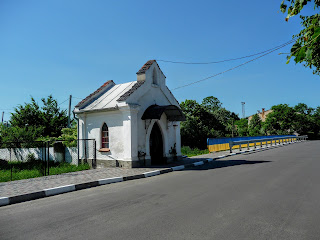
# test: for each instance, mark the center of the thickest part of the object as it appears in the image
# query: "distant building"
(263, 115)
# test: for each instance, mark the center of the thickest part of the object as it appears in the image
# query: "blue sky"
(72, 47)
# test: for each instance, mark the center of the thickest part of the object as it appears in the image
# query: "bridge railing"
(265, 141)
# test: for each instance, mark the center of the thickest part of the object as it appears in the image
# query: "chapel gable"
(151, 73)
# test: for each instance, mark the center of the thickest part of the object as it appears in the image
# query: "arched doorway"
(156, 146)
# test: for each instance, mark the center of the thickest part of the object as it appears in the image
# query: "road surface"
(273, 194)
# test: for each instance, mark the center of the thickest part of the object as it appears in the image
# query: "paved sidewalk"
(26, 186)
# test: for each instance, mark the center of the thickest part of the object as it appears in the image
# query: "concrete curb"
(75, 187)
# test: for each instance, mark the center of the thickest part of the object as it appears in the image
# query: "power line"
(228, 60)
(230, 69)
(63, 102)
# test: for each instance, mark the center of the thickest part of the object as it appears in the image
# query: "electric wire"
(226, 60)
(230, 69)
(63, 102)
(240, 65)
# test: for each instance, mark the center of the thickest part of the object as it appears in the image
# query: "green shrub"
(31, 157)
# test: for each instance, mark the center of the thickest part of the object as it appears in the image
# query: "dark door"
(156, 146)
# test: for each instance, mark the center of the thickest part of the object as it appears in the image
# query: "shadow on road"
(223, 164)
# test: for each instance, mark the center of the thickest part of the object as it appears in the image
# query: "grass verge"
(24, 170)
(190, 152)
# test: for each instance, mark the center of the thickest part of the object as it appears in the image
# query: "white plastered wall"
(90, 128)
(147, 95)
(123, 132)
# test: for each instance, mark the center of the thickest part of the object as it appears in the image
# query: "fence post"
(45, 159)
(94, 154)
(48, 143)
(85, 150)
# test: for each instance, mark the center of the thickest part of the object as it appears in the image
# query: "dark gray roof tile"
(124, 96)
(94, 93)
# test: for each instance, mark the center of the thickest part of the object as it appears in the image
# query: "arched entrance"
(156, 146)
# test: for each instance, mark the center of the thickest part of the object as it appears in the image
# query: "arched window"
(154, 77)
(104, 136)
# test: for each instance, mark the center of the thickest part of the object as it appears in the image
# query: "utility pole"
(243, 110)
(2, 117)
(69, 111)
(232, 126)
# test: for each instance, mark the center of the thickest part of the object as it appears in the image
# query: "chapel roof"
(124, 96)
(94, 93)
(109, 99)
(147, 65)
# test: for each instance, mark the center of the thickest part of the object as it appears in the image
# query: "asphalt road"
(273, 194)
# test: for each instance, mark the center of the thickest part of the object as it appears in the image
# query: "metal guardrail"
(265, 140)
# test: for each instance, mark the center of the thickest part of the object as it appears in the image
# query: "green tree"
(224, 116)
(212, 104)
(306, 48)
(255, 126)
(208, 119)
(19, 134)
(49, 118)
(281, 120)
(69, 135)
(31, 122)
(28, 114)
(303, 123)
(54, 119)
(199, 125)
(242, 127)
(316, 121)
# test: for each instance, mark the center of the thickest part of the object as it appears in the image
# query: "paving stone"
(14, 188)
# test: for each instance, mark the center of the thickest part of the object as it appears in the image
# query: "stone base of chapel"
(125, 164)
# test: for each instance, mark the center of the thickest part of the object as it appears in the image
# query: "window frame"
(104, 138)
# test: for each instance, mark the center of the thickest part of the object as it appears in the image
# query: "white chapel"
(134, 124)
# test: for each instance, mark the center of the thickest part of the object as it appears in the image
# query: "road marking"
(198, 163)
(151, 173)
(4, 201)
(178, 168)
(58, 190)
(110, 180)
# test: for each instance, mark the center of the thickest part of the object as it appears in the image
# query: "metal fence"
(20, 151)
(87, 152)
(265, 141)
(222, 144)
(41, 155)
